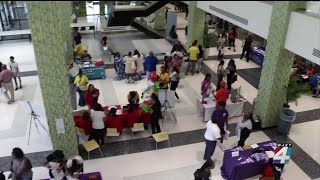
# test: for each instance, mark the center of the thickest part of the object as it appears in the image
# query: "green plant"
(295, 90)
(208, 39)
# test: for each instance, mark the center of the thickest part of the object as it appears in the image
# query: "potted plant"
(207, 39)
(295, 90)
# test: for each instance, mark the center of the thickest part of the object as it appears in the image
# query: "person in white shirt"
(174, 81)
(131, 66)
(138, 58)
(211, 136)
(16, 73)
(243, 129)
(75, 166)
(98, 117)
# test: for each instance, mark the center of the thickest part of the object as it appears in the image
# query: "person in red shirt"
(84, 122)
(91, 96)
(222, 94)
(114, 120)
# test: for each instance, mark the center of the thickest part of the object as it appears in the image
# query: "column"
(51, 35)
(160, 20)
(102, 8)
(82, 9)
(277, 64)
(196, 20)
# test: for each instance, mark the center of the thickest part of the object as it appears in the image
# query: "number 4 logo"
(282, 155)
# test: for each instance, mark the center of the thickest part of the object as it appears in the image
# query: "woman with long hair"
(174, 79)
(130, 66)
(155, 114)
(204, 173)
(91, 96)
(220, 73)
(246, 47)
(98, 117)
(20, 166)
(138, 58)
(232, 69)
(205, 85)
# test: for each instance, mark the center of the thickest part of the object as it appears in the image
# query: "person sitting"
(133, 97)
(114, 121)
(85, 57)
(204, 172)
(222, 94)
(104, 41)
(75, 166)
(84, 122)
(78, 50)
(91, 96)
(164, 78)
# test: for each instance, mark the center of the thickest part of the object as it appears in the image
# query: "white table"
(206, 110)
(16, 32)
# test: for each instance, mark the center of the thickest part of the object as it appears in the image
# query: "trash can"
(287, 116)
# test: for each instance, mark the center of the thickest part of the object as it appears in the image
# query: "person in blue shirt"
(151, 63)
(314, 83)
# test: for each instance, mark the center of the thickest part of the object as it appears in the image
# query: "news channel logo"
(282, 153)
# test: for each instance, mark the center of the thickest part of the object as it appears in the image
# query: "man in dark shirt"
(77, 36)
(178, 45)
(56, 157)
(151, 63)
(221, 115)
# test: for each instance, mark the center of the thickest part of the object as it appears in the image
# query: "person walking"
(193, 57)
(220, 73)
(246, 47)
(155, 114)
(81, 81)
(231, 75)
(20, 166)
(232, 38)
(220, 114)
(98, 117)
(205, 86)
(211, 136)
(200, 58)
(151, 64)
(243, 129)
(16, 73)
(174, 78)
(6, 76)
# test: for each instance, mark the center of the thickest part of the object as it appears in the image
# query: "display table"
(257, 55)
(93, 72)
(243, 166)
(206, 110)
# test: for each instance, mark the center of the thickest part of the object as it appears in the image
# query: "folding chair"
(137, 127)
(90, 146)
(82, 137)
(159, 137)
(112, 132)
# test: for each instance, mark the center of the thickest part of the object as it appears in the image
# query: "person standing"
(155, 114)
(222, 94)
(246, 47)
(6, 76)
(77, 36)
(220, 114)
(20, 166)
(193, 57)
(211, 136)
(15, 69)
(131, 66)
(178, 46)
(243, 129)
(98, 117)
(164, 78)
(81, 81)
(232, 38)
(220, 73)
(231, 75)
(151, 64)
(174, 77)
(176, 62)
(200, 58)
(138, 57)
(205, 86)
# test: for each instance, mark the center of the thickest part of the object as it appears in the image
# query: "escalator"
(124, 15)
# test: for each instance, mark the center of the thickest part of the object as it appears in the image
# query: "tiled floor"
(178, 162)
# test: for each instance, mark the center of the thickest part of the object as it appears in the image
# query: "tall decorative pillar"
(52, 42)
(160, 19)
(277, 64)
(196, 20)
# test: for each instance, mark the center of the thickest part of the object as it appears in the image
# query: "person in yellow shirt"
(81, 81)
(164, 78)
(193, 57)
(78, 50)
